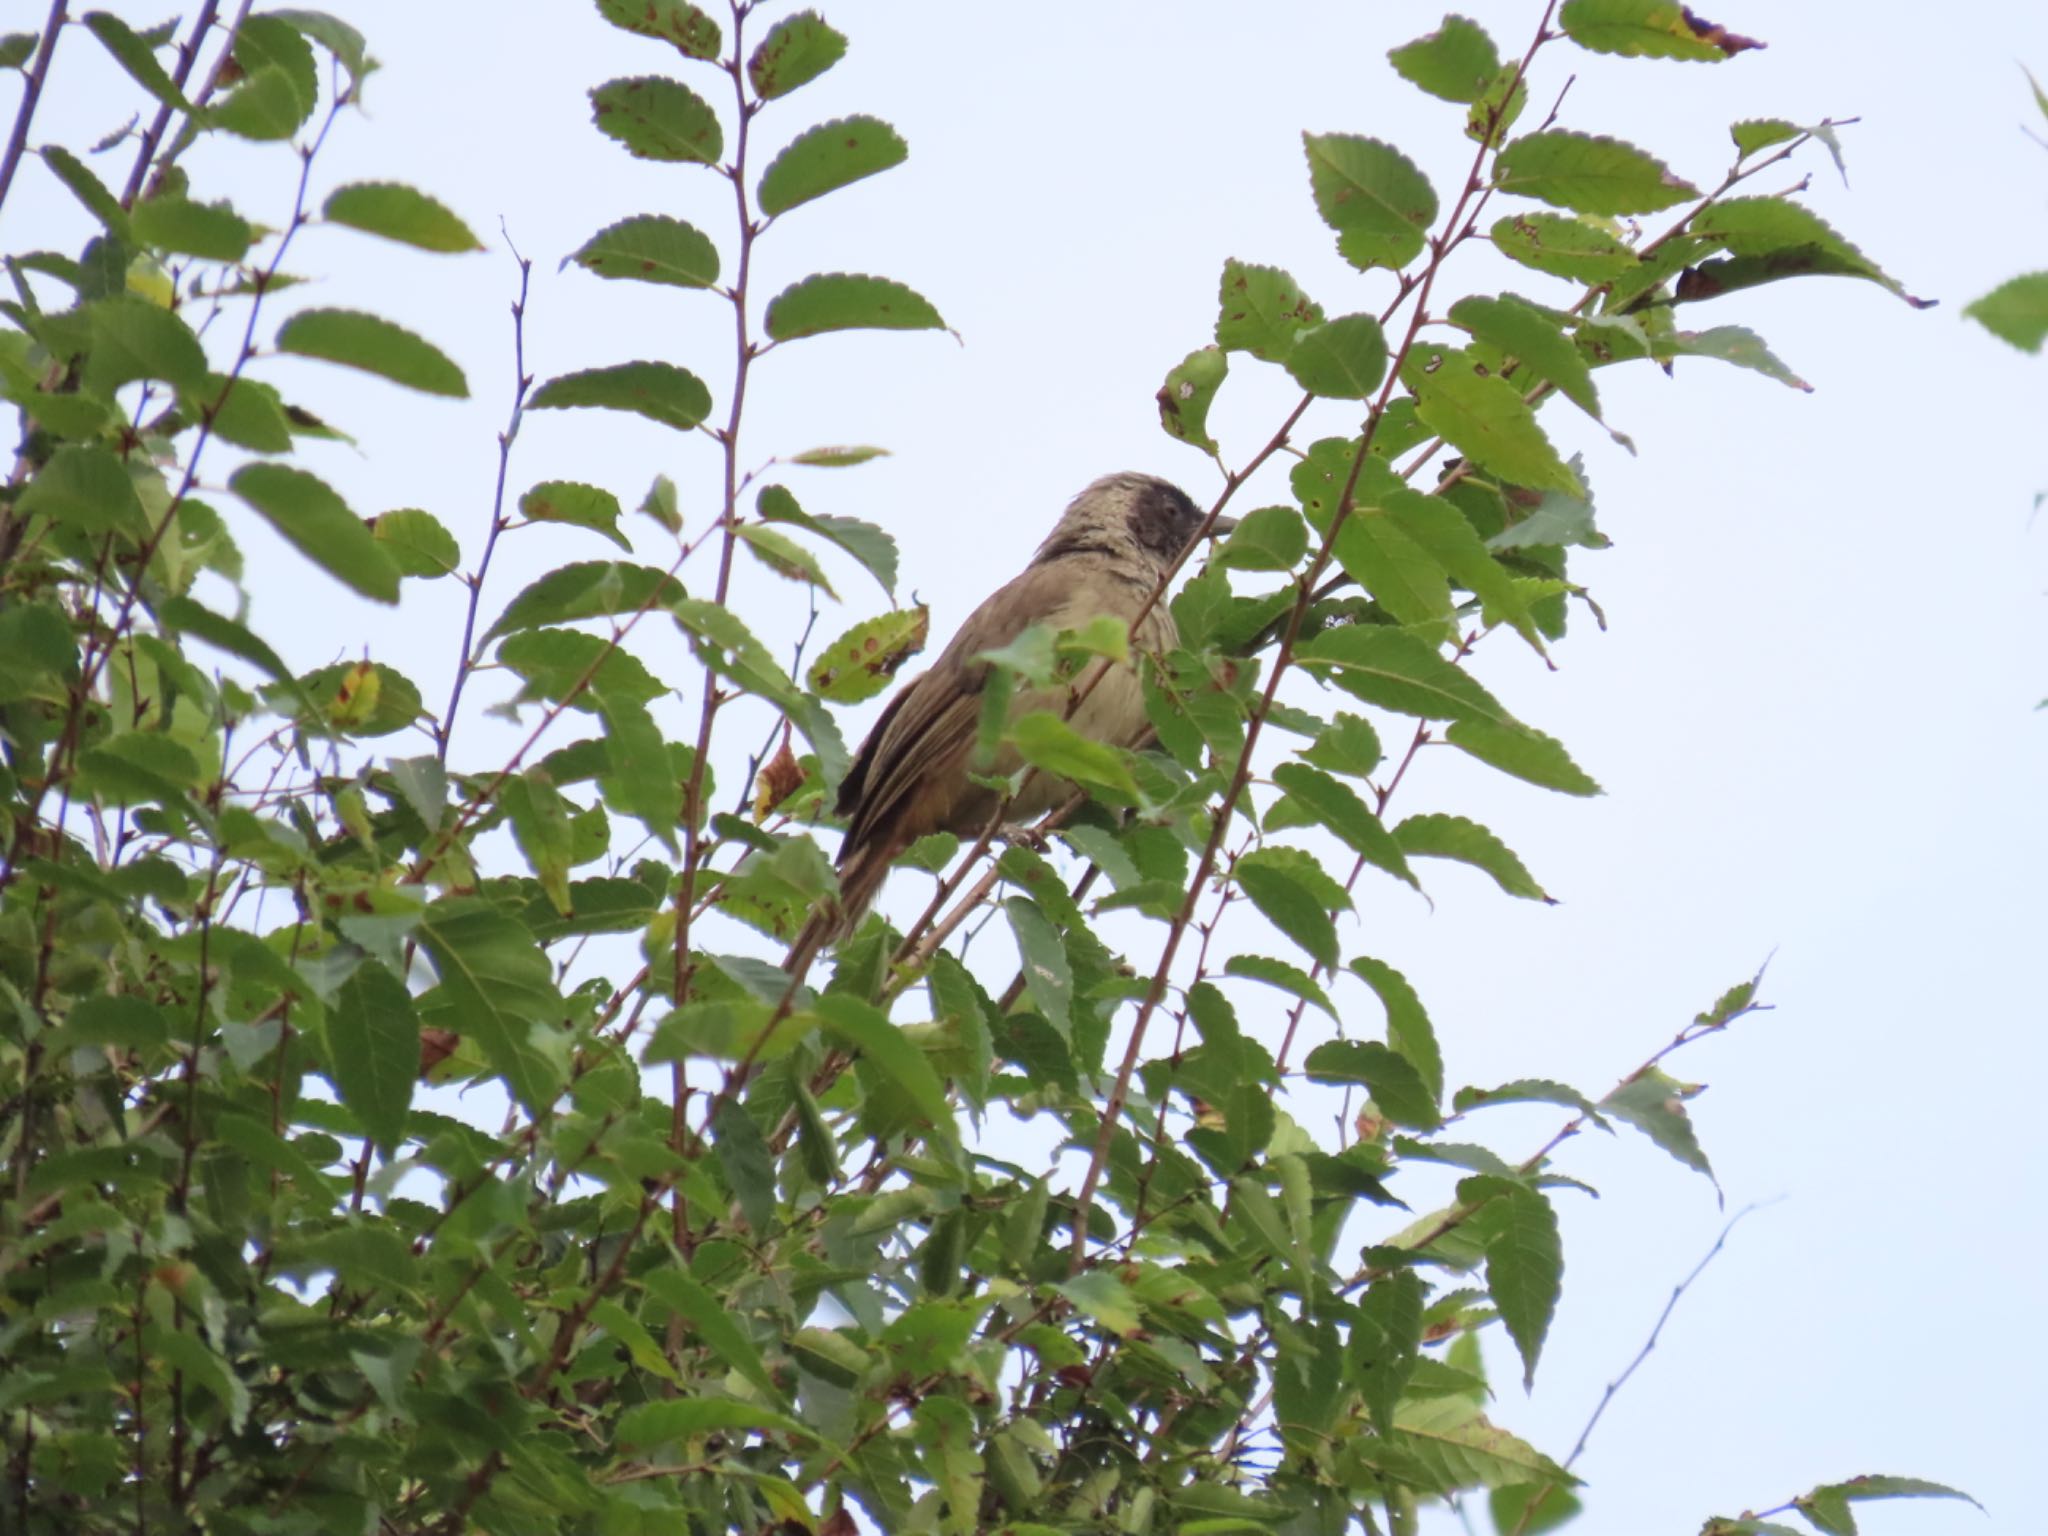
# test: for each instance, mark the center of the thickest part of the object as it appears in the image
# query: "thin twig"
(31, 93)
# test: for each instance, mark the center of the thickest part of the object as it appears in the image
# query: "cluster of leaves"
(252, 1271)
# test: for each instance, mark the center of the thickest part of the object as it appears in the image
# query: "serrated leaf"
(1392, 1080)
(587, 589)
(1588, 174)
(1454, 837)
(1337, 806)
(1733, 344)
(336, 36)
(837, 457)
(783, 555)
(651, 248)
(1485, 417)
(137, 57)
(1262, 311)
(661, 392)
(497, 986)
(1524, 1260)
(713, 1323)
(1396, 671)
(1104, 1297)
(658, 119)
(134, 339)
(870, 545)
(269, 105)
(1526, 754)
(1380, 205)
(1189, 390)
(1539, 343)
(2016, 311)
(87, 188)
(400, 213)
(865, 1027)
(1458, 1448)
(417, 543)
(1342, 359)
(1278, 973)
(1268, 539)
(373, 1040)
(1562, 246)
(1456, 62)
(1048, 977)
(825, 158)
(694, 34)
(84, 487)
(1641, 29)
(583, 506)
(1280, 894)
(842, 301)
(1654, 1103)
(797, 50)
(212, 231)
(1755, 133)
(357, 340)
(319, 524)
(859, 663)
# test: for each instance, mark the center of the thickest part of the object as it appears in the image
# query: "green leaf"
(658, 119)
(1457, 1448)
(318, 523)
(1342, 359)
(1053, 746)
(244, 411)
(2016, 311)
(1189, 390)
(1780, 238)
(137, 57)
(797, 50)
(784, 556)
(584, 506)
(712, 1322)
(868, 1029)
(1262, 311)
(648, 1425)
(16, 49)
(1588, 174)
(1397, 671)
(642, 783)
(1755, 133)
(1558, 518)
(1396, 1087)
(825, 158)
(588, 589)
(871, 546)
(1104, 1297)
(1447, 536)
(837, 457)
(1048, 978)
(1641, 29)
(1836, 1497)
(1525, 753)
(189, 617)
(661, 392)
(694, 34)
(841, 301)
(133, 339)
(1539, 343)
(1485, 417)
(373, 1041)
(1278, 973)
(1454, 837)
(87, 188)
(188, 1354)
(212, 231)
(1370, 193)
(269, 105)
(1730, 344)
(541, 826)
(1562, 246)
(1409, 1030)
(127, 1023)
(1654, 1103)
(1337, 805)
(651, 249)
(399, 213)
(1456, 62)
(83, 486)
(1269, 539)
(1277, 889)
(416, 542)
(1524, 1260)
(497, 987)
(336, 36)
(859, 663)
(356, 340)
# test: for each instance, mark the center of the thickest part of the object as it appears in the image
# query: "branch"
(31, 93)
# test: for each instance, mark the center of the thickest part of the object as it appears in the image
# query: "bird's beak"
(1222, 526)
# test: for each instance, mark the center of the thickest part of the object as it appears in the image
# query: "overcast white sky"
(1812, 713)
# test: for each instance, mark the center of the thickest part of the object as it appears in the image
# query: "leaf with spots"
(651, 248)
(860, 663)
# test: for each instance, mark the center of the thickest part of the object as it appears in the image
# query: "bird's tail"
(860, 876)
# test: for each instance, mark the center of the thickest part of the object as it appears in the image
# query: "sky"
(1812, 710)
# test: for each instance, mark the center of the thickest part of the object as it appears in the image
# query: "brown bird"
(1106, 556)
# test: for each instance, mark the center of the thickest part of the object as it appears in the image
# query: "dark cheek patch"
(1163, 519)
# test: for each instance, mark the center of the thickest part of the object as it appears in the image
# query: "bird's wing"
(924, 736)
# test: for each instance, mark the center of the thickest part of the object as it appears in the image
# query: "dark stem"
(31, 93)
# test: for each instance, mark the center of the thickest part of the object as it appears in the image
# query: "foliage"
(748, 1253)
(2016, 310)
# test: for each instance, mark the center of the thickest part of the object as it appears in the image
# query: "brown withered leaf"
(780, 777)
(1717, 36)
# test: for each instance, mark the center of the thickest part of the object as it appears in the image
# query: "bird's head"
(1128, 517)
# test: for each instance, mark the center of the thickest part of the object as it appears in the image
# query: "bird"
(1108, 554)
